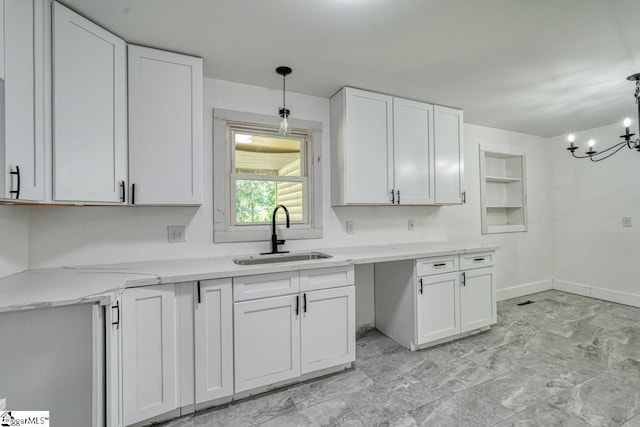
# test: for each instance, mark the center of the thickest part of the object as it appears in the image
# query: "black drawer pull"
(440, 264)
(478, 259)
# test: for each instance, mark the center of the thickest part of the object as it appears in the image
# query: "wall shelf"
(503, 191)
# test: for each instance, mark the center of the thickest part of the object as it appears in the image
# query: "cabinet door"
(413, 152)
(369, 147)
(90, 110)
(165, 127)
(24, 102)
(149, 362)
(449, 159)
(266, 341)
(328, 330)
(2, 39)
(437, 307)
(214, 340)
(477, 298)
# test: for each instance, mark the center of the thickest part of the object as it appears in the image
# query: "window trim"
(223, 230)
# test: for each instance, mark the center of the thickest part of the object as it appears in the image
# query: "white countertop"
(75, 285)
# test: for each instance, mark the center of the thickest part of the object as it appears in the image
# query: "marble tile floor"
(565, 360)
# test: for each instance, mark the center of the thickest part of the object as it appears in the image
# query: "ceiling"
(542, 67)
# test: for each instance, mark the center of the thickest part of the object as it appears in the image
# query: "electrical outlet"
(176, 233)
(412, 225)
(349, 227)
(626, 221)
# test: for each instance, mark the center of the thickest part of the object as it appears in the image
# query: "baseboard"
(599, 293)
(522, 290)
(571, 287)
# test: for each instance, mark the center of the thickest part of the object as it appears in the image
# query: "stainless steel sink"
(270, 259)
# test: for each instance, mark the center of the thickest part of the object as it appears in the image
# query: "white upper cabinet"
(2, 39)
(362, 143)
(388, 150)
(449, 157)
(165, 127)
(89, 111)
(24, 112)
(413, 152)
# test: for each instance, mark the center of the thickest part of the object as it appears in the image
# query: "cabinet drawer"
(324, 278)
(265, 285)
(480, 259)
(429, 266)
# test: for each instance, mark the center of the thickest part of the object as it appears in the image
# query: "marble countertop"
(76, 285)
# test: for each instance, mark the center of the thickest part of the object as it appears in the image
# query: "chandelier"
(596, 156)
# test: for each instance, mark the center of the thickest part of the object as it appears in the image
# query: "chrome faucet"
(274, 237)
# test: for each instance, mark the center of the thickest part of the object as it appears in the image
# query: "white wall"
(593, 254)
(90, 235)
(14, 238)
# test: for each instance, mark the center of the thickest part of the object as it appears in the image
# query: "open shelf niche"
(503, 189)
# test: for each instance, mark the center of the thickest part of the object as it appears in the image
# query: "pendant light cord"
(284, 90)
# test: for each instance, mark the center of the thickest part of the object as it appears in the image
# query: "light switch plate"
(411, 225)
(176, 233)
(349, 227)
(626, 221)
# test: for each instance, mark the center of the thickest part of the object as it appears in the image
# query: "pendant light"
(283, 112)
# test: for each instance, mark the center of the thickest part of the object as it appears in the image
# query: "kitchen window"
(256, 169)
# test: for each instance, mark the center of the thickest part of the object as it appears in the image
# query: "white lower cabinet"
(282, 337)
(437, 307)
(267, 341)
(427, 301)
(149, 352)
(172, 349)
(328, 328)
(213, 322)
(477, 299)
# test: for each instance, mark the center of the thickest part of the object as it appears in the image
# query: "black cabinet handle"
(133, 194)
(478, 259)
(117, 308)
(123, 190)
(199, 299)
(297, 305)
(17, 190)
(304, 298)
(440, 264)
(398, 196)
(421, 286)
(464, 279)
(393, 197)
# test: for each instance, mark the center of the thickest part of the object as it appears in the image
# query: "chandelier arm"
(608, 155)
(612, 147)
